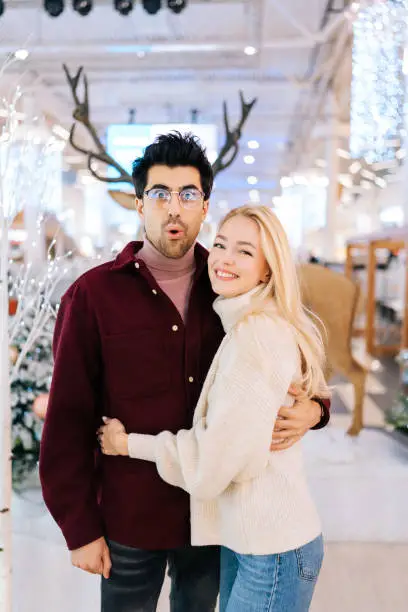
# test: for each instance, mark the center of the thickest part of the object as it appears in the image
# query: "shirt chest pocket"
(136, 364)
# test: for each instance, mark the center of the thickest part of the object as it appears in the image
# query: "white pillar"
(333, 169)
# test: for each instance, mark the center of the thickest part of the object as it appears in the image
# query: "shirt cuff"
(141, 446)
(325, 408)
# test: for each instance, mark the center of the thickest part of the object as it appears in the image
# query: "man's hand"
(292, 423)
(93, 558)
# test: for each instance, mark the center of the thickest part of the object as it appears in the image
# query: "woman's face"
(236, 263)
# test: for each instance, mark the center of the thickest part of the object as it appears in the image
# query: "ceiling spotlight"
(54, 7)
(151, 6)
(124, 7)
(380, 182)
(249, 159)
(177, 5)
(343, 154)
(254, 195)
(250, 50)
(83, 7)
(286, 181)
(252, 180)
(253, 144)
(21, 54)
(355, 167)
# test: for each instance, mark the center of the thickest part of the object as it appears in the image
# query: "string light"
(378, 91)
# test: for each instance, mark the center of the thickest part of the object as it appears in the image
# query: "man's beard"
(174, 249)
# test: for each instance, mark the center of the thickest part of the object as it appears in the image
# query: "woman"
(252, 502)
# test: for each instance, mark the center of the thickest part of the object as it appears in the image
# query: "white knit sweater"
(242, 495)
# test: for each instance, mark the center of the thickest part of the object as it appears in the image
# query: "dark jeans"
(137, 578)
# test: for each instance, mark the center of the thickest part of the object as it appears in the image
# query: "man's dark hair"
(173, 149)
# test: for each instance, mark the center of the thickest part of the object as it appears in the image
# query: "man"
(134, 339)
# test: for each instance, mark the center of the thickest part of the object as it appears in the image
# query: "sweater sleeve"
(325, 404)
(67, 457)
(232, 442)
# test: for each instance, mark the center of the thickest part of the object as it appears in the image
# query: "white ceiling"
(165, 65)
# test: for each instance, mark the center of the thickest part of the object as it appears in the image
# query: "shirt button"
(190, 379)
(175, 328)
(137, 266)
(154, 291)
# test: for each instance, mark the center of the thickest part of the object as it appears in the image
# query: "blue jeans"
(264, 583)
(137, 577)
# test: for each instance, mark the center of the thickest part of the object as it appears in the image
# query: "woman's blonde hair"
(283, 286)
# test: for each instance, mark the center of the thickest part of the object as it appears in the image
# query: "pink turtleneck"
(174, 276)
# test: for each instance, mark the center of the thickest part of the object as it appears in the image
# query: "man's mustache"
(175, 221)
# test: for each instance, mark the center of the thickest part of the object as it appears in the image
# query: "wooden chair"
(334, 298)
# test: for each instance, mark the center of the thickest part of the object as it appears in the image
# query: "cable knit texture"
(242, 495)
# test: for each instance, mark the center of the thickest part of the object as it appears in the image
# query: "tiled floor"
(360, 486)
(363, 578)
(355, 578)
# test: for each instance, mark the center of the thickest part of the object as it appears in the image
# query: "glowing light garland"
(378, 87)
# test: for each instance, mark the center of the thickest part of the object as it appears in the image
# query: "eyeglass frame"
(169, 191)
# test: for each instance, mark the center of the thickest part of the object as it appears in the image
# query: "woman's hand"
(294, 422)
(113, 438)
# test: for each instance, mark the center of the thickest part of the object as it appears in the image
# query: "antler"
(81, 114)
(232, 137)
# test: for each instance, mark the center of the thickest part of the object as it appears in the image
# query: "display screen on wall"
(126, 142)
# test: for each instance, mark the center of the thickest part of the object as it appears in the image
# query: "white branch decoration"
(23, 179)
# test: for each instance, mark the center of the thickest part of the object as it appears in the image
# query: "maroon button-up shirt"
(121, 350)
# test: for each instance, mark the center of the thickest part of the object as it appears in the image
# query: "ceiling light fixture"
(152, 6)
(249, 159)
(124, 7)
(21, 54)
(254, 195)
(286, 181)
(343, 154)
(177, 5)
(249, 50)
(60, 131)
(54, 8)
(380, 182)
(2, 7)
(355, 167)
(253, 144)
(252, 180)
(83, 7)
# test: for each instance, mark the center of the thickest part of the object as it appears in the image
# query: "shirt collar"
(128, 255)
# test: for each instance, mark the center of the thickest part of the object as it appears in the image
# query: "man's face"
(169, 226)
